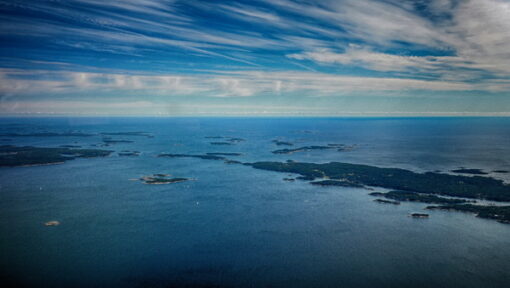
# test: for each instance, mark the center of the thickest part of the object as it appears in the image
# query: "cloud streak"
(253, 50)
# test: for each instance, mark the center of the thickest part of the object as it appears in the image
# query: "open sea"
(235, 226)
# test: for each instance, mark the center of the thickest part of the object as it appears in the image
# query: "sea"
(236, 226)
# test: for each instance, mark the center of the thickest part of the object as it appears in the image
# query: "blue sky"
(258, 57)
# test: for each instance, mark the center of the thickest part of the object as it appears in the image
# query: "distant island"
(338, 147)
(108, 140)
(301, 149)
(28, 155)
(205, 157)
(137, 133)
(282, 143)
(230, 140)
(224, 154)
(161, 179)
(409, 196)
(129, 153)
(419, 215)
(47, 134)
(341, 183)
(70, 146)
(387, 201)
(469, 171)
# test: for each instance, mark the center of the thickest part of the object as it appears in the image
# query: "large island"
(28, 155)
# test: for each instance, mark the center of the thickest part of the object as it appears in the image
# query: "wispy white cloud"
(222, 84)
(445, 45)
(477, 34)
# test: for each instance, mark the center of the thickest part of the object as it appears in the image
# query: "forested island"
(475, 187)
(338, 147)
(28, 155)
(499, 213)
(301, 149)
(409, 196)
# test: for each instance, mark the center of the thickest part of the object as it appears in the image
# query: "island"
(70, 146)
(11, 156)
(338, 147)
(201, 156)
(108, 140)
(224, 154)
(47, 134)
(475, 187)
(235, 139)
(282, 143)
(499, 213)
(227, 139)
(137, 133)
(419, 215)
(341, 183)
(301, 149)
(129, 153)
(418, 197)
(221, 143)
(387, 201)
(157, 179)
(469, 171)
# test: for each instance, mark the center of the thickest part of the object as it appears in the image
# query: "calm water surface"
(235, 226)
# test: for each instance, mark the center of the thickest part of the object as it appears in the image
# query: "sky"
(255, 58)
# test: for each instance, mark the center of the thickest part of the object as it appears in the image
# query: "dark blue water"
(235, 226)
